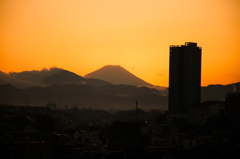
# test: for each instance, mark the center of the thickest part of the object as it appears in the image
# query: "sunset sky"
(84, 35)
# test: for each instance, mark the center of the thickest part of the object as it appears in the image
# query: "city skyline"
(83, 36)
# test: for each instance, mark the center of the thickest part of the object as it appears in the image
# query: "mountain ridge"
(103, 97)
(46, 77)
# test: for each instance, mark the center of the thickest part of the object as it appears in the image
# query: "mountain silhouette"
(107, 75)
(64, 77)
(104, 97)
(116, 74)
(218, 92)
(67, 77)
(47, 77)
(56, 84)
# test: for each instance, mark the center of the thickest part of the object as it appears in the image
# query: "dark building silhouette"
(232, 107)
(184, 76)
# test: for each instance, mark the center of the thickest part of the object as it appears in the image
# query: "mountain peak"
(112, 67)
(116, 74)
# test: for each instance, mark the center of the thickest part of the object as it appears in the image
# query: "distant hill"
(67, 77)
(214, 92)
(54, 84)
(104, 97)
(47, 77)
(218, 92)
(116, 74)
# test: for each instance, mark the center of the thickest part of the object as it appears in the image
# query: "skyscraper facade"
(184, 76)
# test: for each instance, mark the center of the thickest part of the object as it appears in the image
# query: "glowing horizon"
(83, 36)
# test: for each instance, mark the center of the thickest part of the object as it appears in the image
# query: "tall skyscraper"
(184, 76)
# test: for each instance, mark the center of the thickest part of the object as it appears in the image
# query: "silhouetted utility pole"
(136, 111)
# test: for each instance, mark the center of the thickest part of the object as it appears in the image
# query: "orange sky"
(84, 35)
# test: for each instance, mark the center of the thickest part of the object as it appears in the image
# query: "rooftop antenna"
(136, 111)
